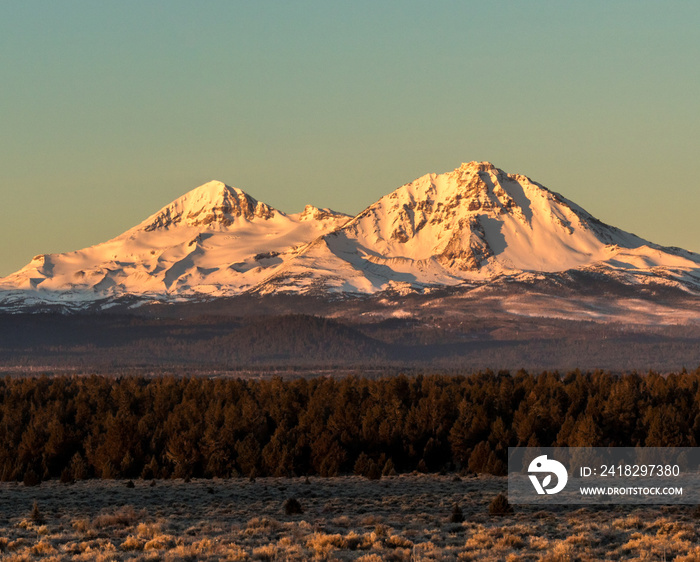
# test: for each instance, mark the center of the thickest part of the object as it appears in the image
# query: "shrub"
(397, 541)
(389, 469)
(82, 525)
(265, 553)
(456, 516)
(131, 543)
(42, 548)
(160, 542)
(67, 476)
(31, 478)
(36, 515)
(292, 507)
(500, 506)
(373, 471)
(262, 523)
(78, 467)
(381, 530)
(125, 516)
(362, 465)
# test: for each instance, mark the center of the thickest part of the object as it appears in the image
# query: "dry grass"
(125, 516)
(400, 518)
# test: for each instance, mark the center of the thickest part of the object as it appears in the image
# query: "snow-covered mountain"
(215, 240)
(473, 225)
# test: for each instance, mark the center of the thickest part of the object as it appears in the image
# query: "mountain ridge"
(211, 202)
(472, 225)
(469, 225)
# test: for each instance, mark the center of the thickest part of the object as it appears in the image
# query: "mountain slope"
(474, 224)
(470, 227)
(213, 240)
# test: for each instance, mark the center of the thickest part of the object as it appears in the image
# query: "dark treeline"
(90, 340)
(83, 427)
(111, 342)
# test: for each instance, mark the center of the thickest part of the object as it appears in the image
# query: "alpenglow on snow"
(471, 225)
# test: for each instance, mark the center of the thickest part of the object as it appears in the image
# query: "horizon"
(112, 112)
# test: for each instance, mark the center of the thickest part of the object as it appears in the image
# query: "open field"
(404, 517)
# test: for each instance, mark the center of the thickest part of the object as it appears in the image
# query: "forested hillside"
(465, 343)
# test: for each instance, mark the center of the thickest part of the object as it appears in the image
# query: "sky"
(110, 110)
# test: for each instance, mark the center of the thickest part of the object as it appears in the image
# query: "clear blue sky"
(111, 109)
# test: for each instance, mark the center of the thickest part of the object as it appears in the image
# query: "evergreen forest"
(79, 427)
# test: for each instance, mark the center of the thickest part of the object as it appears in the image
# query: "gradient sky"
(109, 110)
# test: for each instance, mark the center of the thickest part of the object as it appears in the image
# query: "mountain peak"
(475, 166)
(312, 213)
(477, 220)
(213, 203)
(214, 191)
